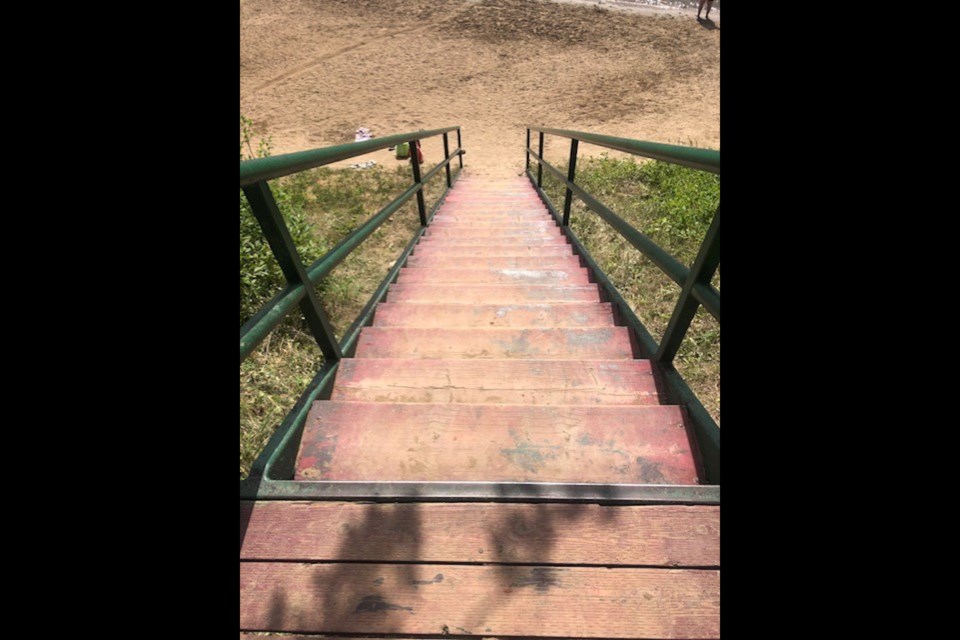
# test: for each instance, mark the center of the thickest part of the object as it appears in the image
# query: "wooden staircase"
(493, 358)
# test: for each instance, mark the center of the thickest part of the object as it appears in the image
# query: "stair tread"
(500, 381)
(474, 442)
(492, 293)
(577, 275)
(493, 232)
(426, 314)
(493, 249)
(536, 343)
(509, 225)
(501, 240)
(504, 221)
(492, 262)
(526, 213)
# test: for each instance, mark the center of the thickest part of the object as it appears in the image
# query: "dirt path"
(312, 73)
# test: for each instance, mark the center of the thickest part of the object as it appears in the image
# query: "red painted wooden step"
(473, 206)
(493, 250)
(507, 241)
(421, 600)
(502, 262)
(495, 276)
(450, 314)
(491, 236)
(530, 205)
(492, 293)
(476, 201)
(537, 382)
(527, 206)
(506, 223)
(591, 534)
(480, 196)
(478, 442)
(548, 344)
(526, 212)
(493, 233)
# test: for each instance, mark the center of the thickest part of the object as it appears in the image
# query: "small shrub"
(260, 275)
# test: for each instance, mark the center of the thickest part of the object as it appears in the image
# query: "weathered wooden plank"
(485, 227)
(469, 181)
(515, 215)
(483, 198)
(589, 382)
(544, 344)
(492, 198)
(575, 275)
(493, 250)
(482, 442)
(475, 201)
(423, 314)
(503, 262)
(521, 214)
(492, 293)
(491, 187)
(275, 636)
(501, 239)
(582, 602)
(572, 534)
(481, 201)
(505, 223)
(501, 206)
(471, 231)
(498, 206)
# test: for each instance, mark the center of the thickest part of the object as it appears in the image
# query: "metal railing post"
(539, 163)
(574, 143)
(527, 150)
(415, 163)
(459, 146)
(705, 265)
(446, 156)
(265, 209)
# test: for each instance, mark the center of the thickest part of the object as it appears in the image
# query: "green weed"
(321, 207)
(672, 205)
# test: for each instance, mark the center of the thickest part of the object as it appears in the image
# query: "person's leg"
(709, 6)
(700, 8)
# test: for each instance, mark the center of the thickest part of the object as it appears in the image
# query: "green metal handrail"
(302, 280)
(704, 159)
(253, 180)
(278, 166)
(694, 281)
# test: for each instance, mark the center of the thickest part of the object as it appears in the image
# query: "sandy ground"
(313, 71)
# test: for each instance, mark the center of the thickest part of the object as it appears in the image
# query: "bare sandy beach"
(313, 71)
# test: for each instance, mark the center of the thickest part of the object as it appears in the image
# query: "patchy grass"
(271, 380)
(321, 206)
(672, 205)
(339, 201)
